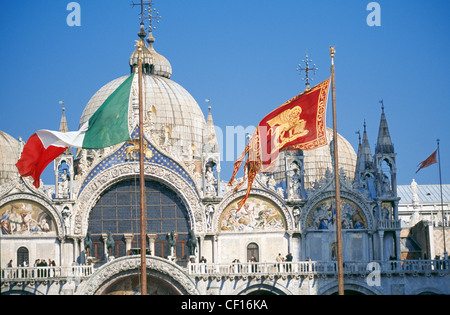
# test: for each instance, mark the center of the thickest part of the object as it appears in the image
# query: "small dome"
(153, 62)
(9, 155)
(318, 161)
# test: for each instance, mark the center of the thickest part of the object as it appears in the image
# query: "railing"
(27, 274)
(389, 224)
(306, 268)
(300, 268)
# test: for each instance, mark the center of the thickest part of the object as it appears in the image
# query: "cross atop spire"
(382, 105)
(306, 70)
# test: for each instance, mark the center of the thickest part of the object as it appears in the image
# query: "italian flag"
(107, 127)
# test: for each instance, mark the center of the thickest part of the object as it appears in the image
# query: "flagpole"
(337, 182)
(142, 176)
(442, 200)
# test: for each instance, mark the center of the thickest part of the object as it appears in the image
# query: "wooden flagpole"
(337, 182)
(142, 176)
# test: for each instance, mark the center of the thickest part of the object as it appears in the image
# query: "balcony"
(45, 274)
(389, 225)
(316, 268)
(31, 275)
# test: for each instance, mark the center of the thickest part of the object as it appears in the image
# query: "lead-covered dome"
(9, 155)
(154, 63)
(318, 161)
(173, 119)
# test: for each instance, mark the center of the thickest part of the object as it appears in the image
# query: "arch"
(273, 200)
(168, 273)
(117, 212)
(427, 291)
(153, 172)
(23, 254)
(20, 291)
(252, 251)
(363, 210)
(267, 288)
(40, 208)
(389, 161)
(350, 288)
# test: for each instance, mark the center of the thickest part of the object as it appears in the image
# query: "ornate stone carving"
(129, 263)
(90, 194)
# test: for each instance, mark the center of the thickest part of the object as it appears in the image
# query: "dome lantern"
(153, 63)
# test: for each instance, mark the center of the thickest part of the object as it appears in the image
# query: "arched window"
(118, 212)
(252, 252)
(22, 257)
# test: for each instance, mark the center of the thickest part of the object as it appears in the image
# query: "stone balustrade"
(266, 269)
(310, 268)
(389, 224)
(42, 274)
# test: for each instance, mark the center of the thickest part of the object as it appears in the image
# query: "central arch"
(119, 277)
(106, 179)
(118, 212)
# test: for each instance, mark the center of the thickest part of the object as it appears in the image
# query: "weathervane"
(152, 14)
(307, 69)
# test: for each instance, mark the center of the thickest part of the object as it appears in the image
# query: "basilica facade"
(81, 236)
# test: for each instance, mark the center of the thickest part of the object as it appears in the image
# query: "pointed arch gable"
(104, 180)
(266, 207)
(39, 212)
(359, 212)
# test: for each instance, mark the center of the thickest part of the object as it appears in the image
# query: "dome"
(318, 161)
(153, 62)
(9, 155)
(172, 117)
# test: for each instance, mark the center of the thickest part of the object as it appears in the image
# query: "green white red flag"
(107, 127)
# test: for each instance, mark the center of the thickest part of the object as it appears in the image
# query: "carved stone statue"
(110, 244)
(209, 215)
(172, 241)
(63, 187)
(210, 182)
(88, 244)
(294, 188)
(192, 243)
(66, 218)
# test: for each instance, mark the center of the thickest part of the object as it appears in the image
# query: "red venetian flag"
(299, 124)
(429, 161)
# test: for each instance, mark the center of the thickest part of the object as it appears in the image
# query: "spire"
(211, 132)
(384, 143)
(366, 155)
(358, 156)
(63, 125)
(364, 163)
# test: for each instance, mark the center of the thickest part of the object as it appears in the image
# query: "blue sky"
(242, 55)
